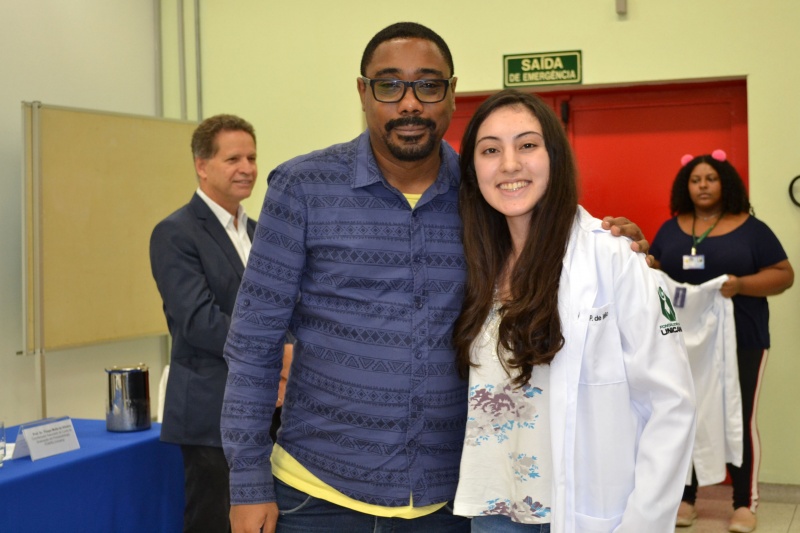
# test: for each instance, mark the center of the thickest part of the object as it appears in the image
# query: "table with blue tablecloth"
(115, 483)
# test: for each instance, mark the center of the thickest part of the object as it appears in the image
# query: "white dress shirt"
(238, 235)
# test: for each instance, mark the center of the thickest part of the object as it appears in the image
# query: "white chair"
(162, 393)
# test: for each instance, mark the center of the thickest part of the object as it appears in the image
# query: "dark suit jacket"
(198, 272)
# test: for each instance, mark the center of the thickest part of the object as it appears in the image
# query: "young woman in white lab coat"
(581, 404)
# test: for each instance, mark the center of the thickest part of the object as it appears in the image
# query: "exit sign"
(547, 68)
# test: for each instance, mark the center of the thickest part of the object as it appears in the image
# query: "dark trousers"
(207, 490)
(301, 513)
(744, 478)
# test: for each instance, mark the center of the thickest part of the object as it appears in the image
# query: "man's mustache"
(410, 121)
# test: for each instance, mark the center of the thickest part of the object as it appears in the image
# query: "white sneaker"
(686, 515)
(742, 521)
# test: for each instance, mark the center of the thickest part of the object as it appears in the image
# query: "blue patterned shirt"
(370, 288)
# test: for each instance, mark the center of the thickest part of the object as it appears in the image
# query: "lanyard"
(698, 240)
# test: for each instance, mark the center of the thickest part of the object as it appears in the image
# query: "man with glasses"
(358, 252)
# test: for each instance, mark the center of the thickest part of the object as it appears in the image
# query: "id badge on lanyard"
(694, 262)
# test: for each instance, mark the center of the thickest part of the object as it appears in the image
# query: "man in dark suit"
(198, 255)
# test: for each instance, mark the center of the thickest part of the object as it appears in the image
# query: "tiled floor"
(778, 510)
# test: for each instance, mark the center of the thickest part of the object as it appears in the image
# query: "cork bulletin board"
(96, 185)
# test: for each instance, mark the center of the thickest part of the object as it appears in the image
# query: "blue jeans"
(503, 524)
(301, 513)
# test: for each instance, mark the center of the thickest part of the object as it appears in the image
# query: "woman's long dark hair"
(530, 328)
(734, 195)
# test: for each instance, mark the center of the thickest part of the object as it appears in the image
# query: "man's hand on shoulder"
(254, 518)
(621, 226)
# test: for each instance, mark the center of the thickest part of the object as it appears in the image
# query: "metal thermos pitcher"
(128, 407)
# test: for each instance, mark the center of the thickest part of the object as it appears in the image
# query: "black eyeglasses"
(390, 91)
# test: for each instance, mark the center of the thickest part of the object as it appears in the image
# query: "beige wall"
(290, 68)
(90, 54)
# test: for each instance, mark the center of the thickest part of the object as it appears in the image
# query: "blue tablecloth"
(115, 483)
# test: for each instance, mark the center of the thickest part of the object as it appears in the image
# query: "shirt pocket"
(602, 362)
(592, 524)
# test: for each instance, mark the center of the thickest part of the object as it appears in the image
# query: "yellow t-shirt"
(412, 199)
(288, 470)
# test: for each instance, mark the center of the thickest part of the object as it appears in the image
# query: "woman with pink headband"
(714, 232)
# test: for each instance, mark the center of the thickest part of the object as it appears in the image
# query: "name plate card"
(45, 438)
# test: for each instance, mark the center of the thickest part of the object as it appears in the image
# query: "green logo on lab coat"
(666, 306)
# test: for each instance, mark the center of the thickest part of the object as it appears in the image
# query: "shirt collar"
(367, 171)
(224, 217)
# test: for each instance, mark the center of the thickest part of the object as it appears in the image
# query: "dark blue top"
(371, 289)
(744, 251)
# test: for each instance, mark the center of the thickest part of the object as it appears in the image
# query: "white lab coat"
(709, 331)
(622, 404)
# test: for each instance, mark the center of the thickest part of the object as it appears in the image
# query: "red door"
(628, 141)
